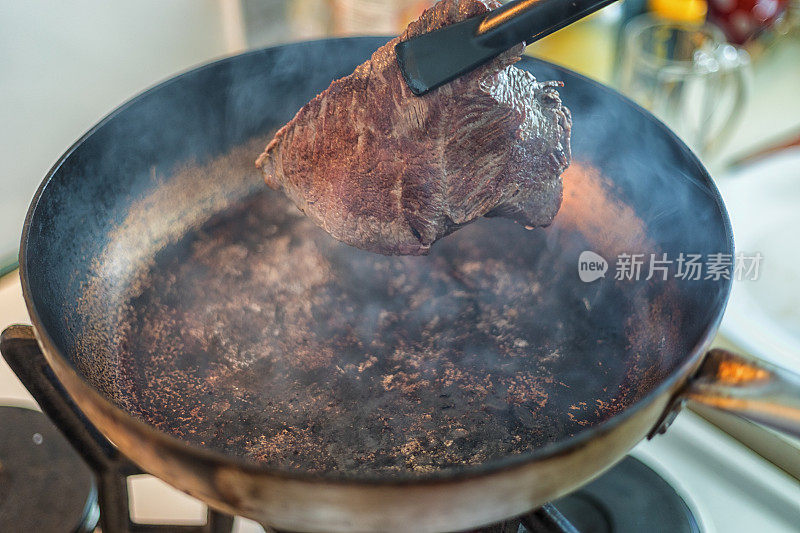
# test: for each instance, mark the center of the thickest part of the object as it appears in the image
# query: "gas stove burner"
(38, 464)
(629, 498)
(44, 484)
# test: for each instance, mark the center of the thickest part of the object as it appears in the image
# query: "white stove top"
(729, 488)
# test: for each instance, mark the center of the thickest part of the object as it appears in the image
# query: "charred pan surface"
(384, 170)
(258, 336)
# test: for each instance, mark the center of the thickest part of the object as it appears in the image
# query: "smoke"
(219, 314)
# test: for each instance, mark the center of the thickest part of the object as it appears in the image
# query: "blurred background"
(65, 65)
(724, 74)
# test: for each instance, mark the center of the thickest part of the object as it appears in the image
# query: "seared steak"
(387, 171)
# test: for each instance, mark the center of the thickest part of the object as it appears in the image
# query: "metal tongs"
(433, 59)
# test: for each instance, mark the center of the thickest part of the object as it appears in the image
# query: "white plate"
(763, 200)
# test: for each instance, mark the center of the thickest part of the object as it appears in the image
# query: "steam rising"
(256, 334)
(216, 312)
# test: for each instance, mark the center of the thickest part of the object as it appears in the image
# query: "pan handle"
(750, 388)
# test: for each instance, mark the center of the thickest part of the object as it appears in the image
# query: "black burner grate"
(110, 468)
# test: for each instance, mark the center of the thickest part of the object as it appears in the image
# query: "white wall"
(63, 65)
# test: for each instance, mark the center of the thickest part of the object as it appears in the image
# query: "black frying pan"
(233, 349)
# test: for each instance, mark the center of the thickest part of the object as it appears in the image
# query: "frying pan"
(229, 347)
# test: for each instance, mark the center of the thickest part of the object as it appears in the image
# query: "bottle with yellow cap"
(689, 11)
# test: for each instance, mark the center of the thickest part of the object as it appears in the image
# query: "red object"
(742, 20)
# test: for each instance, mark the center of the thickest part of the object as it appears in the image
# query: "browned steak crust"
(387, 171)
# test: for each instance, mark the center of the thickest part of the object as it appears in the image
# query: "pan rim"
(492, 467)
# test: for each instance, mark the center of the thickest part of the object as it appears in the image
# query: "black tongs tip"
(432, 59)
